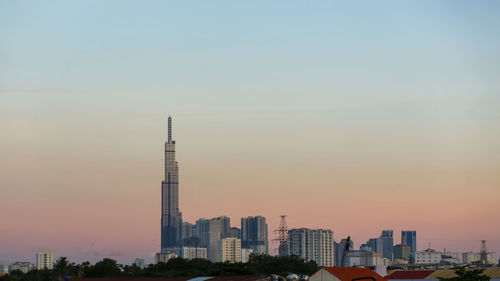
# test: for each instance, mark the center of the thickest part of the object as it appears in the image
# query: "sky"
(354, 116)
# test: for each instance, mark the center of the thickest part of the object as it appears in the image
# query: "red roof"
(409, 274)
(349, 273)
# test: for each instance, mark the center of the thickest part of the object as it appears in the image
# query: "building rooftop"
(350, 273)
(409, 274)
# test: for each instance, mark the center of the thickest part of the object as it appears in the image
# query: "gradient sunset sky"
(356, 116)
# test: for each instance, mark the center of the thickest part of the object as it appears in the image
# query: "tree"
(105, 268)
(467, 275)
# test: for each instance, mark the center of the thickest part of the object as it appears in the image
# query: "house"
(345, 274)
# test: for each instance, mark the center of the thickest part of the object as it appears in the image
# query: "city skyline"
(354, 118)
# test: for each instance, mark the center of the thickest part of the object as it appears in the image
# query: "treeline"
(257, 265)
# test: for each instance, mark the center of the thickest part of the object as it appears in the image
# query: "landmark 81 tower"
(171, 217)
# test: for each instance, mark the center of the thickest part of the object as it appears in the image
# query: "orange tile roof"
(349, 273)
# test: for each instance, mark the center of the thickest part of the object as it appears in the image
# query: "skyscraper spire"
(169, 129)
(171, 217)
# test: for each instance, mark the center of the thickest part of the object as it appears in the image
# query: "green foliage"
(105, 268)
(258, 265)
(467, 275)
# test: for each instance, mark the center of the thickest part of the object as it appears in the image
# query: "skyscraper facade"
(387, 244)
(409, 238)
(209, 232)
(171, 217)
(254, 234)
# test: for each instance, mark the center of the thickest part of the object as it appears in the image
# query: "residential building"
(312, 244)
(475, 258)
(339, 251)
(254, 234)
(189, 253)
(428, 256)
(209, 232)
(44, 260)
(140, 262)
(23, 266)
(164, 257)
(171, 217)
(235, 232)
(4, 269)
(245, 254)
(230, 250)
(402, 252)
(345, 274)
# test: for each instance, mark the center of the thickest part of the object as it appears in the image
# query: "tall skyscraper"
(409, 238)
(254, 234)
(171, 217)
(312, 244)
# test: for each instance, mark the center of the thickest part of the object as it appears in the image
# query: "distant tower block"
(483, 254)
(283, 237)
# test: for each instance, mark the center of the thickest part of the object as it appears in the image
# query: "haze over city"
(355, 118)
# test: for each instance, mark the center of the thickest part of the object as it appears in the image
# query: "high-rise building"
(209, 233)
(312, 244)
(171, 217)
(225, 226)
(387, 244)
(409, 238)
(254, 234)
(235, 232)
(230, 250)
(339, 252)
(402, 252)
(44, 260)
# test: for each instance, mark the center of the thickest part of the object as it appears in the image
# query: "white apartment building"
(312, 244)
(189, 252)
(44, 260)
(428, 256)
(471, 257)
(230, 250)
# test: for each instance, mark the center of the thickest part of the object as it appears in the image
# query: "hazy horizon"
(356, 117)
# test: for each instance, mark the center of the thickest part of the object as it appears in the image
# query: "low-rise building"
(189, 253)
(428, 256)
(475, 258)
(345, 274)
(245, 254)
(164, 257)
(23, 266)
